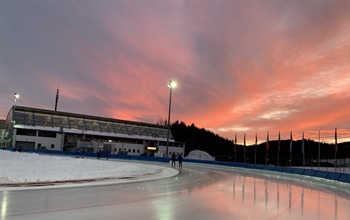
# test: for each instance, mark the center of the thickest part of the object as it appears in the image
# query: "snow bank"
(18, 167)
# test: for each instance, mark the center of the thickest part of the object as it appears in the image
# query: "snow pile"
(199, 155)
(18, 167)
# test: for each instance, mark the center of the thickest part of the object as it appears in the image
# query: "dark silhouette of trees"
(223, 149)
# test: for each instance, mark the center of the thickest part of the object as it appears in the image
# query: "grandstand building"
(33, 128)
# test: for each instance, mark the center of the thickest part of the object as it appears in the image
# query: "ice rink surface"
(197, 192)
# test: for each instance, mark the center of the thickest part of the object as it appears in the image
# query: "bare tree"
(161, 121)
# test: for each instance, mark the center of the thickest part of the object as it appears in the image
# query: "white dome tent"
(199, 155)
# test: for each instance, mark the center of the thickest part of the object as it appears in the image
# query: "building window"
(133, 150)
(129, 150)
(39, 145)
(26, 132)
(52, 146)
(50, 134)
(138, 150)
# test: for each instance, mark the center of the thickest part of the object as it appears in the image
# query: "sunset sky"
(240, 66)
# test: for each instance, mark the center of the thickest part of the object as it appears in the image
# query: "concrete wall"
(47, 142)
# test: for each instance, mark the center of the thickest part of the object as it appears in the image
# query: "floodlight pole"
(15, 96)
(167, 138)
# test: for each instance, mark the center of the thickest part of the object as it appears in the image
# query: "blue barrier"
(321, 174)
(269, 168)
(298, 171)
(277, 168)
(259, 166)
(288, 170)
(342, 177)
(239, 165)
(333, 176)
(251, 166)
(310, 172)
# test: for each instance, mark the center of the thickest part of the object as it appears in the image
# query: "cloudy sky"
(240, 66)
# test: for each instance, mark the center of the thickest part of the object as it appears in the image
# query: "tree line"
(223, 149)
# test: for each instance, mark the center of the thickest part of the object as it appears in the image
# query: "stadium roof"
(27, 117)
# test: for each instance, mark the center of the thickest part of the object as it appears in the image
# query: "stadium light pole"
(15, 96)
(171, 85)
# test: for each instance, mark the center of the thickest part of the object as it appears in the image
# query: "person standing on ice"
(107, 154)
(173, 156)
(77, 153)
(99, 153)
(180, 161)
(82, 153)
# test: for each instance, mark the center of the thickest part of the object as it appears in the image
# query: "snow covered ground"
(28, 169)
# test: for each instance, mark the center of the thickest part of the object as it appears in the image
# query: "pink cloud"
(241, 67)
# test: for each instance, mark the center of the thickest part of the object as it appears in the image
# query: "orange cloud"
(240, 66)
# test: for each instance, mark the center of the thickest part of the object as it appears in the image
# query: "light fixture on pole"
(16, 96)
(171, 85)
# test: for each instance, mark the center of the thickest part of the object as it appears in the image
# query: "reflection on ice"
(280, 198)
(198, 192)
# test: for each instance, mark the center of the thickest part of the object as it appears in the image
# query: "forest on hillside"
(223, 149)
